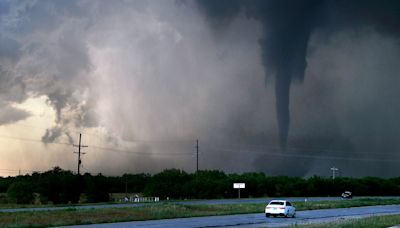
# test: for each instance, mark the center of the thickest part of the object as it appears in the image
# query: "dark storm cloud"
(12, 91)
(162, 71)
(10, 114)
(9, 49)
(43, 52)
(381, 15)
(121, 67)
(51, 135)
(288, 25)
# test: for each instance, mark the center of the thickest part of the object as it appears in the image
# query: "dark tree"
(20, 192)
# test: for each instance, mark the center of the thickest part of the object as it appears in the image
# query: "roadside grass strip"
(373, 221)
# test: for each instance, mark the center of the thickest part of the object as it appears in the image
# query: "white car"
(280, 207)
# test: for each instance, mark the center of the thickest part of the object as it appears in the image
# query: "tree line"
(59, 186)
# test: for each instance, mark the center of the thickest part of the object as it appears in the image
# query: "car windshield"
(276, 203)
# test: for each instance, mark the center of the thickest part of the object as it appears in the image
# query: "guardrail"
(139, 199)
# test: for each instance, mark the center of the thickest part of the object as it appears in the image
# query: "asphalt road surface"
(259, 219)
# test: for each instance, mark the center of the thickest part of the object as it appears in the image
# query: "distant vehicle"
(347, 195)
(280, 208)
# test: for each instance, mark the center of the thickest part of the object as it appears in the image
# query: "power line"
(33, 140)
(218, 148)
(44, 128)
(273, 147)
(300, 149)
(99, 147)
(140, 152)
(303, 155)
(17, 170)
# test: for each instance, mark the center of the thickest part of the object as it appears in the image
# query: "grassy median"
(374, 221)
(160, 211)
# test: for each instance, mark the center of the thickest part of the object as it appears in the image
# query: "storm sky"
(281, 87)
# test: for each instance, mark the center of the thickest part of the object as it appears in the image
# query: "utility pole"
(79, 152)
(197, 156)
(334, 169)
(126, 185)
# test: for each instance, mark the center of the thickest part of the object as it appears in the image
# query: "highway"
(259, 220)
(189, 202)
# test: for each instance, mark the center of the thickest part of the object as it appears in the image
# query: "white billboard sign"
(239, 185)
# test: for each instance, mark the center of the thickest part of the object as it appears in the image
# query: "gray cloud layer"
(157, 71)
(9, 114)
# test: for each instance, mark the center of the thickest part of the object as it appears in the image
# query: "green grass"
(301, 206)
(87, 216)
(375, 221)
(14, 205)
(159, 211)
